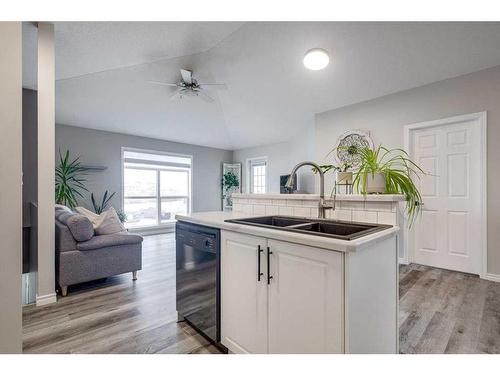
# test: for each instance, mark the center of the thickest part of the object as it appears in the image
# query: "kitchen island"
(289, 292)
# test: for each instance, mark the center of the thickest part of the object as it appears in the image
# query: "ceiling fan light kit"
(316, 59)
(189, 86)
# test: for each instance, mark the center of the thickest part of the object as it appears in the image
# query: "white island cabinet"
(289, 292)
(282, 297)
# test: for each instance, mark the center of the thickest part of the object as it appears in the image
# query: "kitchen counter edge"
(216, 219)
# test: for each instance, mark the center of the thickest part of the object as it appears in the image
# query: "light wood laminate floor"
(117, 315)
(443, 311)
(440, 312)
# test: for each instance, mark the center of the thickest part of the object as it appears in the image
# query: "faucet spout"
(322, 207)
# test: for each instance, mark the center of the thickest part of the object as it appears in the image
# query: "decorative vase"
(375, 183)
(344, 178)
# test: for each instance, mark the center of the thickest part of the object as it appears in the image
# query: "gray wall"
(97, 147)
(10, 181)
(385, 117)
(282, 157)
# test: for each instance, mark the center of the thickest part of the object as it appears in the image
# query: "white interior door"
(448, 235)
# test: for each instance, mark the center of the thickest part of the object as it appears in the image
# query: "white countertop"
(216, 219)
(339, 197)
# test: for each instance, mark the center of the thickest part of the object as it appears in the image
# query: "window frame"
(158, 197)
(250, 163)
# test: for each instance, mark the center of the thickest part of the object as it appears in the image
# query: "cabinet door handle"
(269, 277)
(259, 272)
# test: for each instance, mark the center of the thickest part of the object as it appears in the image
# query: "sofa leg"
(134, 275)
(64, 291)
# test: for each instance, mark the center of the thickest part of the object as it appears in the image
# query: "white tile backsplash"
(308, 203)
(364, 216)
(302, 211)
(351, 205)
(340, 214)
(247, 208)
(314, 211)
(259, 210)
(387, 218)
(362, 211)
(272, 210)
(285, 210)
(378, 206)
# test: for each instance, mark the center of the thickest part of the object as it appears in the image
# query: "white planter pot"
(344, 177)
(375, 183)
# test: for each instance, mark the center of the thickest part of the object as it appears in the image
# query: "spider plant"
(69, 182)
(344, 167)
(99, 207)
(399, 171)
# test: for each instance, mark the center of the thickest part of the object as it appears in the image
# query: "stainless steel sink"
(344, 230)
(274, 221)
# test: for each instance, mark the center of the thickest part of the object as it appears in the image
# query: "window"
(257, 175)
(156, 187)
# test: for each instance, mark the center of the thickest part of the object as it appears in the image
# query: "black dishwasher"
(198, 277)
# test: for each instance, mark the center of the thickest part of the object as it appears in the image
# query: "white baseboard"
(46, 299)
(492, 277)
(403, 261)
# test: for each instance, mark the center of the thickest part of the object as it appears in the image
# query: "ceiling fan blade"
(162, 83)
(204, 96)
(217, 86)
(187, 76)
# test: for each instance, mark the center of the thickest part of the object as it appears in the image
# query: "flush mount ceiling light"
(316, 59)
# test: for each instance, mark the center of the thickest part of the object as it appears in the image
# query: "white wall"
(282, 157)
(385, 117)
(11, 195)
(46, 165)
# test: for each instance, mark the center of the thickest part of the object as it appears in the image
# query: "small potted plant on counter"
(389, 171)
(343, 174)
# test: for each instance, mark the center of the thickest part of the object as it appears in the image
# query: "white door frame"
(482, 122)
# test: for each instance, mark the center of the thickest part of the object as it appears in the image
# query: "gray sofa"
(82, 256)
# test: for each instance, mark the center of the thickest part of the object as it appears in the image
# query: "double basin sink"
(344, 230)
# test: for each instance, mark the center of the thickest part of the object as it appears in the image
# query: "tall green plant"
(399, 171)
(69, 180)
(229, 181)
(100, 206)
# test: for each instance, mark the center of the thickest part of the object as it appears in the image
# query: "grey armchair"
(81, 256)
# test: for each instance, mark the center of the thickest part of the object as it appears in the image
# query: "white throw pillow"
(107, 222)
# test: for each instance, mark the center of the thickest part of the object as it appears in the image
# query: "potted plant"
(342, 176)
(229, 183)
(100, 207)
(389, 171)
(69, 182)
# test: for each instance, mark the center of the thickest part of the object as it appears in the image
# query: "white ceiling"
(102, 68)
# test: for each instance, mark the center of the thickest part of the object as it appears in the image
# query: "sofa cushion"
(107, 222)
(81, 228)
(108, 240)
(63, 215)
(62, 207)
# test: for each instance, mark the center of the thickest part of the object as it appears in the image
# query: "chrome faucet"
(322, 206)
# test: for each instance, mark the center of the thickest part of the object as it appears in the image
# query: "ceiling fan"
(189, 86)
